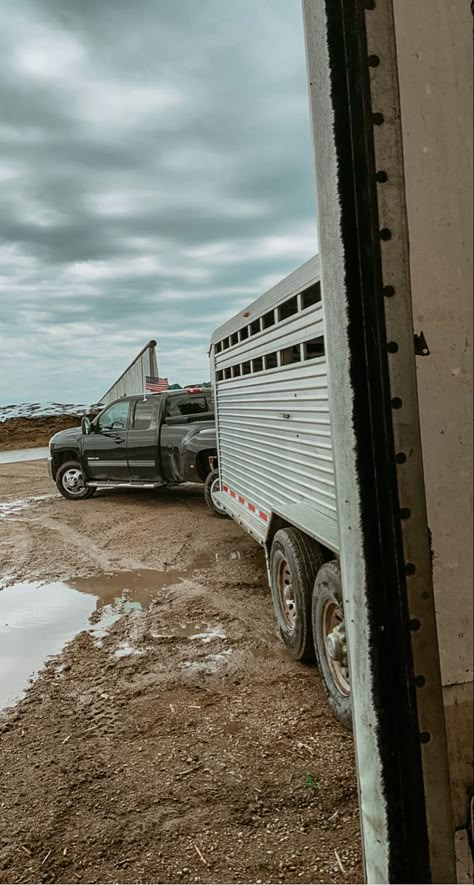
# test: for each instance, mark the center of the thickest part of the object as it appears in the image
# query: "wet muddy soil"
(165, 735)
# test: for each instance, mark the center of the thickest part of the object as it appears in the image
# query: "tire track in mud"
(248, 611)
(18, 546)
(85, 545)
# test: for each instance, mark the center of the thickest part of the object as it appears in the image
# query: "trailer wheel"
(70, 482)
(294, 562)
(212, 485)
(330, 640)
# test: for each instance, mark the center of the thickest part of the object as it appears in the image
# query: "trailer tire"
(330, 640)
(209, 487)
(294, 562)
(70, 482)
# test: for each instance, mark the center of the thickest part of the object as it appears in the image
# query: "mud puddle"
(38, 619)
(14, 455)
(12, 507)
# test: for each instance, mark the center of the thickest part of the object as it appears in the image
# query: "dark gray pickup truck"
(136, 442)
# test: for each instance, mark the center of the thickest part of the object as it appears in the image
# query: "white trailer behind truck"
(321, 454)
(270, 377)
(276, 465)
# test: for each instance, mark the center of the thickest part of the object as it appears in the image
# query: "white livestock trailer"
(276, 471)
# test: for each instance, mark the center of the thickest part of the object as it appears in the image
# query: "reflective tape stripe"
(252, 507)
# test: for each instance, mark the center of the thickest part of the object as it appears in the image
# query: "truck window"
(114, 418)
(143, 414)
(188, 404)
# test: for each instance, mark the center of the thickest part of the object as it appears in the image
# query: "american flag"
(156, 385)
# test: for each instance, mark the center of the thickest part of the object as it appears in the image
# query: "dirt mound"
(27, 433)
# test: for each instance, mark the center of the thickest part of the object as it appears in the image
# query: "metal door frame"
(385, 551)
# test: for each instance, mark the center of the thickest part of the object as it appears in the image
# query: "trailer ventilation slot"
(268, 319)
(297, 353)
(314, 348)
(307, 298)
(290, 355)
(288, 308)
(271, 361)
(311, 296)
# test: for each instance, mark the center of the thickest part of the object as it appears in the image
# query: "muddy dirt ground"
(182, 744)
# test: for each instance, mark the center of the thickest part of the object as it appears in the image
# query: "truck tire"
(294, 562)
(210, 486)
(330, 640)
(70, 482)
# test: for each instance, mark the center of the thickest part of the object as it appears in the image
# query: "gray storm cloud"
(155, 176)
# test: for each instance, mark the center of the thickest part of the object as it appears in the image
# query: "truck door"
(105, 450)
(142, 444)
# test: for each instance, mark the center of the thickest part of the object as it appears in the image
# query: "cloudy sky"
(156, 175)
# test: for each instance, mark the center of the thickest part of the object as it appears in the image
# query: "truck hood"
(65, 437)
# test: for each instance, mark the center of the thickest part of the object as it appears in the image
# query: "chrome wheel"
(73, 482)
(286, 594)
(334, 635)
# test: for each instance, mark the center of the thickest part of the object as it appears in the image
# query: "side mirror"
(86, 426)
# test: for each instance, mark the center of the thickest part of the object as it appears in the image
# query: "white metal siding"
(275, 448)
(132, 381)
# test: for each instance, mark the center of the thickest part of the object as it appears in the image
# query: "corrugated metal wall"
(275, 446)
(132, 380)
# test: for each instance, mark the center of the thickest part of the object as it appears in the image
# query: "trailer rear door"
(400, 737)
